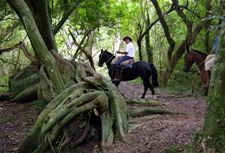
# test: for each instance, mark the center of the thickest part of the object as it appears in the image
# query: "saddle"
(125, 64)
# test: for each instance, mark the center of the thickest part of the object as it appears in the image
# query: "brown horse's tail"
(154, 76)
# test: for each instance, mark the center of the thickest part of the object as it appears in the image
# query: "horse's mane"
(199, 52)
(108, 52)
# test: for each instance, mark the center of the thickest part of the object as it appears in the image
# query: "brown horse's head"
(188, 61)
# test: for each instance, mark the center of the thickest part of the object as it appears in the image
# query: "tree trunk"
(41, 16)
(207, 24)
(37, 42)
(149, 48)
(212, 135)
(70, 89)
(139, 49)
(147, 41)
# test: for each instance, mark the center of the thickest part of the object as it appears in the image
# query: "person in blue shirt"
(210, 59)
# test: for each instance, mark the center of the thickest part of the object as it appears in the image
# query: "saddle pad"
(124, 63)
(116, 59)
(126, 66)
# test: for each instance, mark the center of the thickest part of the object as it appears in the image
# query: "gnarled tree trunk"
(71, 90)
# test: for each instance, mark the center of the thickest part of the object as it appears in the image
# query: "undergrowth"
(39, 105)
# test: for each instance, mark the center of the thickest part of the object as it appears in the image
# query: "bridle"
(108, 59)
(197, 65)
(201, 63)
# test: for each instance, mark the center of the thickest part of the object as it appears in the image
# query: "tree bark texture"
(212, 135)
(23, 86)
(41, 16)
(37, 42)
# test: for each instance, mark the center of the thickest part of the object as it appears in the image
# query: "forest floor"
(16, 120)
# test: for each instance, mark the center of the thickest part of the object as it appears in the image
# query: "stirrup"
(116, 80)
(205, 86)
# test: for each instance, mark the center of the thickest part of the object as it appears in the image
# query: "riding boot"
(113, 71)
(208, 79)
(117, 75)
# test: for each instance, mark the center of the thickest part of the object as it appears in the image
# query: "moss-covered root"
(23, 86)
(117, 103)
(60, 111)
(118, 108)
(107, 132)
(145, 102)
(147, 111)
(139, 119)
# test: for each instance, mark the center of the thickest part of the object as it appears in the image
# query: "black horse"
(139, 69)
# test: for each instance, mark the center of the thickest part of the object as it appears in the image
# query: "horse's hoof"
(154, 97)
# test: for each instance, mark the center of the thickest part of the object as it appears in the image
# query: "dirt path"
(151, 137)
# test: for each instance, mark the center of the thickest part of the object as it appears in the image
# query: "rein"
(201, 63)
(108, 59)
(198, 66)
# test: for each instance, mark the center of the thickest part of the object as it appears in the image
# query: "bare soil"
(152, 136)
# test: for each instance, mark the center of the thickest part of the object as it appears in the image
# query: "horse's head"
(105, 57)
(102, 58)
(188, 61)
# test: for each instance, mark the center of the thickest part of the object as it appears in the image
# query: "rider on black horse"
(129, 54)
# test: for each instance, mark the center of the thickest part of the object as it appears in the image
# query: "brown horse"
(195, 56)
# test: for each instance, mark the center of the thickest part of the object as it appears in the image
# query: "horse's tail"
(154, 76)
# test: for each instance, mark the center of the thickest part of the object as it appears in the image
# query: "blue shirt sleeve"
(216, 43)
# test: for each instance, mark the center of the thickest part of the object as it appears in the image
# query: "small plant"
(39, 105)
(7, 120)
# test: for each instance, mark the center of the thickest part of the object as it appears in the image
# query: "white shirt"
(130, 49)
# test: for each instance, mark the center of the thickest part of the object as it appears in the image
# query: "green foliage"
(4, 84)
(108, 20)
(184, 83)
(39, 105)
(6, 121)
(179, 148)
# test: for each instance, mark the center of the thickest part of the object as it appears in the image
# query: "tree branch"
(83, 50)
(10, 49)
(66, 14)
(28, 54)
(165, 28)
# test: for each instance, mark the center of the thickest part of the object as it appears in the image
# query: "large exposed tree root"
(92, 93)
(60, 111)
(147, 102)
(144, 111)
(139, 119)
(176, 96)
(23, 86)
(142, 114)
